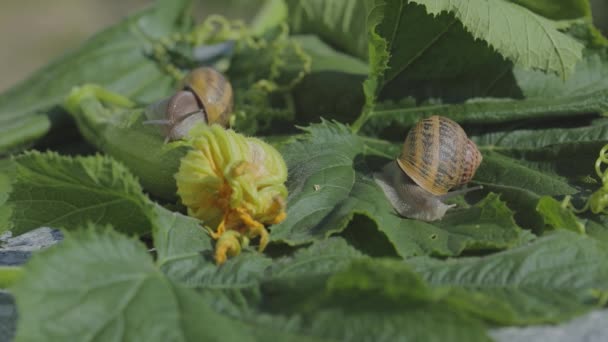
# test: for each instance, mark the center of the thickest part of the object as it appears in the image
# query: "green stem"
(78, 94)
(361, 120)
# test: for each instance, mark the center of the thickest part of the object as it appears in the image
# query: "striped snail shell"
(205, 96)
(437, 155)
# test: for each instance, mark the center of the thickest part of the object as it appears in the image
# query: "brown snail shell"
(437, 155)
(206, 96)
(213, 93)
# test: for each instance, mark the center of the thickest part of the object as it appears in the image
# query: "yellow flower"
(232, 182)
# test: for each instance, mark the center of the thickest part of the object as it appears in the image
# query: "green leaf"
(501, 170)
(22, 131)
(181, 243)
(521, 184)
(339, 23)
(98, 286)
(9, 275)
(322, 257)
(489, 111)
(113, 124)
(537, 138)
(326, 58)
(589, 77)
(333, 86)
(558, 217)
(185, 255)
(439, 47)
(452, 53)
(271, 14)
(548, 280)
(562, 9)
(330, 182)
(382, 300)
(6, 171)
(64, 192)
(528, 40)
(117, 58)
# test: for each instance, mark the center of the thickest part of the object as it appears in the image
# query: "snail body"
(437, 156)
(205, 97)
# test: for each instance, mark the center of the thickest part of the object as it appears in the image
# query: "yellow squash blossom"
(233, 183)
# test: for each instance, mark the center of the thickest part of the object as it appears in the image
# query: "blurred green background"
(32, 32)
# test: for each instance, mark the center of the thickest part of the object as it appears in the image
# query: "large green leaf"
(452, 54)
(64, 192)
(110, 290)
(530, 41)
(330, 182)
(118, 58)
(546, 96)
(549, 280)
(181, 246)
(380, 300)
(399, 117)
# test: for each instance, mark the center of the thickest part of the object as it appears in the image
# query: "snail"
(437, 155)
(206, 96)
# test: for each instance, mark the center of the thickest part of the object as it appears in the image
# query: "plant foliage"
(334, 86)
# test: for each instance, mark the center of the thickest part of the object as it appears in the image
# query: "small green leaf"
(558, 217)
(64, 192)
